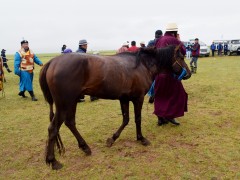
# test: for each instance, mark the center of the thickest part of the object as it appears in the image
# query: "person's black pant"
(6, 66)
(225, 52)
(213, 52)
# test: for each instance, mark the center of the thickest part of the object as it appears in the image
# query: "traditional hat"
(24, 41)
(126, 44)
(83, 42)
(172, 27)
(142, 42)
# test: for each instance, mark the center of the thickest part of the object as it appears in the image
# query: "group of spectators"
(220, 48)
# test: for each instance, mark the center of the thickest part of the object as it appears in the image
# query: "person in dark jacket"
(195, 55)
(3, 55)
(152, 43)
(225, 49)
(83, 44)
(213, 48)
(63, 48)
(158, 34)
(220, 48)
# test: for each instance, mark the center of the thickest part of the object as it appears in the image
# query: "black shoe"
(9, 70)
(34, 98)
(81, 100)
(93, 98)
(21, 93)
(162, 121)
(173, 121)
(151, 100)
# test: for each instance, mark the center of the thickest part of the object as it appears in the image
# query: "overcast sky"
(107, 24)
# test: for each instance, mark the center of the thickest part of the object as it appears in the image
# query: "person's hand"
(41, 65)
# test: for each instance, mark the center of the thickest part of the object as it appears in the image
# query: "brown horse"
(126, 76)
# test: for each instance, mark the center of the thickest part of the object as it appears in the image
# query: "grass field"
(205, 146)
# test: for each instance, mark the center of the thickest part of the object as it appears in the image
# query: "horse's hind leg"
(71, 124)
(53, 130)
(137, 110)
(125, 113)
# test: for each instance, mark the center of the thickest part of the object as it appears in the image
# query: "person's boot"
(151, 99)
(22, 93)
(192, 69)
(81, 99)
(33, 96)
(173, 121)
(92, 98)
(162, 121)
(195, 70)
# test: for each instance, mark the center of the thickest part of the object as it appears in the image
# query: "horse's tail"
(48, 97)
(44, 85)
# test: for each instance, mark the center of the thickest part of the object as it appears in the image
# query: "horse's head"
(178, 63)
(163, 59)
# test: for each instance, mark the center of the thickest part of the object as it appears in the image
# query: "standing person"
(213, 48)
(1, 74)
(133, 47)
(124, 48)
(142, 44)
(188, 51)
(195, 54)
(5, 60)
(220, 48)
(63, 48)
(170, 97)
(152, 43)
(23, 67)
(83, 44)
(225, 49)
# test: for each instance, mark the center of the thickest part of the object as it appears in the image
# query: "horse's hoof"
(110, 142)
(87, 151)
(56, 165)
(145, 142)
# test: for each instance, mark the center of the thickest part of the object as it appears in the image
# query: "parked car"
(204, 49)
(234, 47)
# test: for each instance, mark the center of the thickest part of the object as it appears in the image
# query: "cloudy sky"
(107, 24)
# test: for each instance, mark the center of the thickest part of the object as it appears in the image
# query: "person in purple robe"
(170, 97)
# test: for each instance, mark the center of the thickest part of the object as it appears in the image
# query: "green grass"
(205, 146)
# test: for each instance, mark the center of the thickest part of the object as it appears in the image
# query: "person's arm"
(17, 62)
(37, 60)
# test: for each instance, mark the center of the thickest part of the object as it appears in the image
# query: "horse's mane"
(162, 56)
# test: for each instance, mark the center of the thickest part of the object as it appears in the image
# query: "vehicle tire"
(238, 51)
(229, 53)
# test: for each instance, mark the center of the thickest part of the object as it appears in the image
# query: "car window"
(202, 44)
(235, 41)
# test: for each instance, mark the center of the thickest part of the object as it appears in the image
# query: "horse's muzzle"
(188, 75)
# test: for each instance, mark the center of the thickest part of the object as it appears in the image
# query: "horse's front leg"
(138, 110)
(125, 113)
